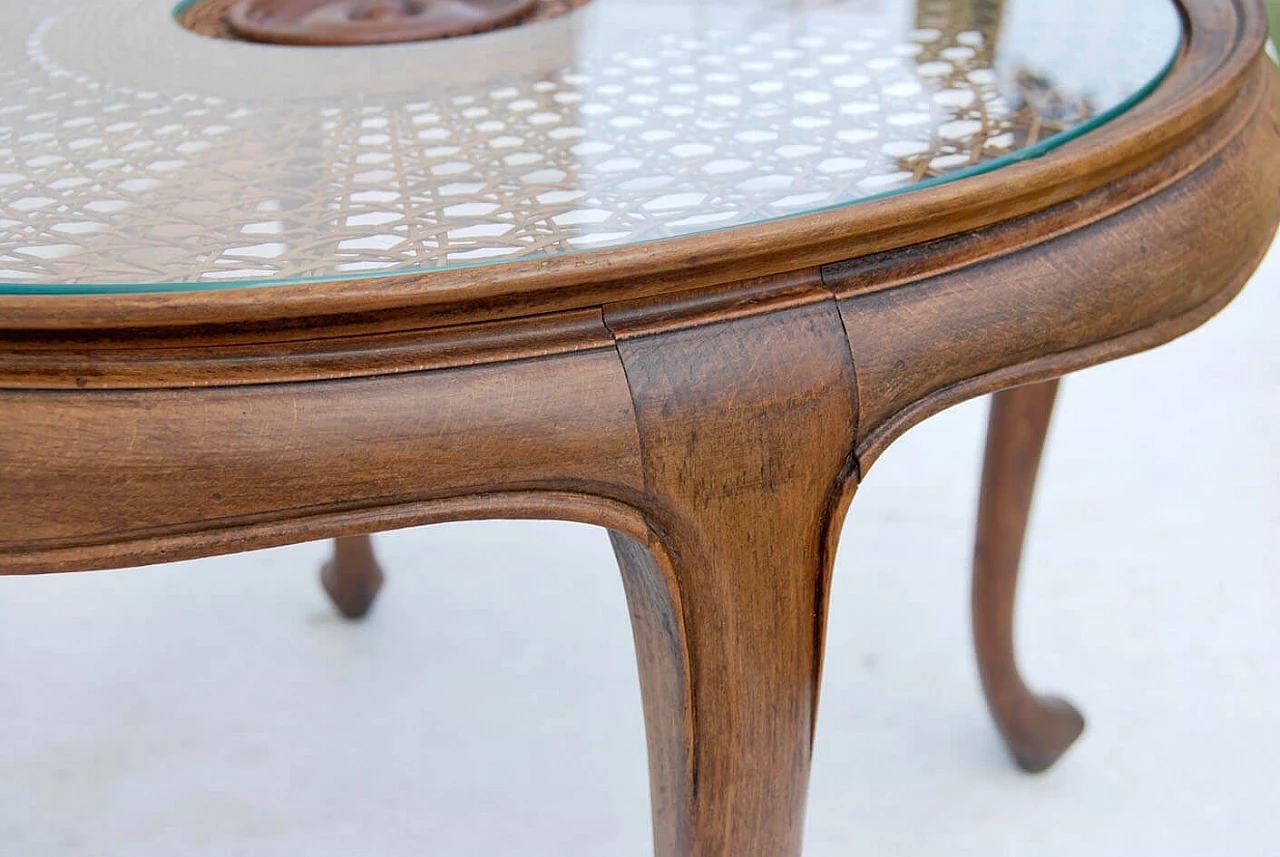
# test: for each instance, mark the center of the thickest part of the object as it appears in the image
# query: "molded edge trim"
(1224, 39)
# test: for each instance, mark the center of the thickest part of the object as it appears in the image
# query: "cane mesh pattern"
(672, 127)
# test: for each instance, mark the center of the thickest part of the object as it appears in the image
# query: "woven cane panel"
(166, 157)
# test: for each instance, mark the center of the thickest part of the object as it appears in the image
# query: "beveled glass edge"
(1039, 150)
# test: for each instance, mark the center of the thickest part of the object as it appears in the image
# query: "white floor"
(219, 708)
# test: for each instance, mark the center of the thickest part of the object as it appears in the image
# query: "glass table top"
(138, 156)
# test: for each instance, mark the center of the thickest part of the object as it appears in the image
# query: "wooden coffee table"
(682, 274)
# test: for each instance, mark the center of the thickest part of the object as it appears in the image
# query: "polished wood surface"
(744, 427)
(713, 401)
(360, 22)
(352, 576)
(1038, 729)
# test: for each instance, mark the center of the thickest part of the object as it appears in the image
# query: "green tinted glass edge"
(1030, 153)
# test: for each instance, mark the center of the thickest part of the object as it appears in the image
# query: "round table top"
(136, 156)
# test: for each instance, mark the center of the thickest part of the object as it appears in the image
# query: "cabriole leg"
(1037, 729)
(352, 577)
(746, 433)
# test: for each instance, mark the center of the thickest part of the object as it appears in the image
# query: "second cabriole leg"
(1037, 729)
(352, 577)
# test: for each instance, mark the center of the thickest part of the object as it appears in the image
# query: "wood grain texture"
(113, 359)
(1103, 276)
(88, 469)
(712, 400)
(747, 432)
(1037, 729)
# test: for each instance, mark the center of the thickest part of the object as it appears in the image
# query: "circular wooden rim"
(289, 22)
(1222, 42)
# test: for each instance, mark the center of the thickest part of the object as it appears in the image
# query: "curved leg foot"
(746, 432)
(1037, 729)
(352, 577)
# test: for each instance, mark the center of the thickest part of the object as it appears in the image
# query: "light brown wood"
(1069, 287)
(352, 576)
(94, 479)
(747, 431)
(712, 400)
(1037, 729)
